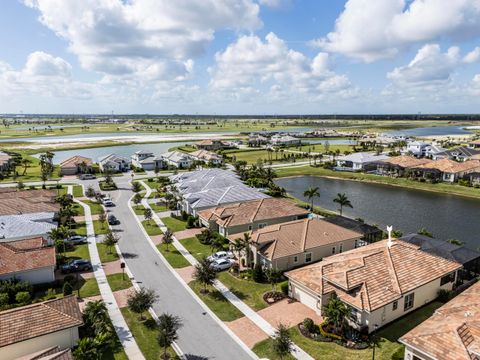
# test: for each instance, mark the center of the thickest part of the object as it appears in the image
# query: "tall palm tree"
(245, 245)
(342, 200)
(25, 163)
(336, 311)
(310, 193)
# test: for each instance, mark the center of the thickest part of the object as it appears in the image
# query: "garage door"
(304, 298)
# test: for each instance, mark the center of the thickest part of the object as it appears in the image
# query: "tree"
(148, 214)
(246, 241)
(342, 200)
(102, 217)
(140, 301)
(310, 193)
(137, 199)
(96, 318)
(110, 240)
(204, 273)
(90, 192)
(282, 343)
(273, 276)
(25, 163)
(136, 187)
(168, 326)
(167, 238)
(46, 166)
(335, 311)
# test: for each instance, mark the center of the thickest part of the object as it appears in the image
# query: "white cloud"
(40, 63)
(473, 56)
(156, 38)
(373, 30)
(275, 4)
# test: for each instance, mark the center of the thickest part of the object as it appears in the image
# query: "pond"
(432, 131)
(408, 210)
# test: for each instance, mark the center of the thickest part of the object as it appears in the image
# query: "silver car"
(77, 239)
(222, 264)
(219, 255)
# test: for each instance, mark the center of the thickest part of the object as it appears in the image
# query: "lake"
(408, 210)
(432, 131)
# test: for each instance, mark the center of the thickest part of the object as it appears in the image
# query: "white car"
(222, 264)
(107, 202)
(77, 239)
(219, 255)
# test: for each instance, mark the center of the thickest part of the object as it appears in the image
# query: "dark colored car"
(77, 265)
(112, 220)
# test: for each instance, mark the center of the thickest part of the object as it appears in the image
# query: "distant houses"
(114, 163)
(76, 165)
(177, 159)
(361, 161)
(5, 161)
(147, 161)
(212, 144)
(207, 157)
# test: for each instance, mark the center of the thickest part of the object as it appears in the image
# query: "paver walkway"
(188, 233)
(289, 313)
(121, 328)
(264, 325)
(186, 273)
(247, 331)
(121, 297)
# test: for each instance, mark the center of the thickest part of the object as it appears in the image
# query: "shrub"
(184, 215)
(150, 180)
(191, 222)
(399, 354)
(258, 274)
(67, 289)
(327, 334)
(309, 325)
(22, 297)
(443, 295)
(284, 287)
(70, 279)
(3, 299)
(50, 294)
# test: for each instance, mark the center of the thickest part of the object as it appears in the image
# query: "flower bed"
(272, 297)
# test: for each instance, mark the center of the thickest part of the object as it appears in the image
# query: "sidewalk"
(121, 328)
(297, 352)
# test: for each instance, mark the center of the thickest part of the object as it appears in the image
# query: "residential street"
(201, 337)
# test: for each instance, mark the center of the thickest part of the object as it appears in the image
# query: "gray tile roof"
(113, 158)
(206, 183)
(26, 225)
(200, 174)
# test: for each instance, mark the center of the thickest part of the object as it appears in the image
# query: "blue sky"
(240, 56)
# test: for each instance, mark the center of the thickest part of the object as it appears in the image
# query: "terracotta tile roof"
(4, 158)
(23, 255)
(208, 142)
(31, 321)
(298, 236)
(453, 331)
(251, 211)
(205, 155)
(53, 353)
(450, 166)
(405, 161)
(372, 276)
(13, 202)
(76, 160)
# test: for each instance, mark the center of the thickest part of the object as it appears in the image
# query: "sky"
(240, 56)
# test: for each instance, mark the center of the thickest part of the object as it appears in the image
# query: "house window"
(395, 305)
(261, 226)
(249, 227)
(295, 259)
(308, 257)
(408, 301)
(356, 243)
(341, 248)
(447, 279)
(333, 250)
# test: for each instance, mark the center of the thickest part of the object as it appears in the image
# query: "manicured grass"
(145, 334)
(173, 256)
(80, 228)
(159, 208)
(33, 172)
(264, 350)
(95, 207)
(154, 185)
(79, 252)
(217, 302)
(79, 209)
(138, 209)
(88, 288)
(248, 291)
(119, 281)
(77, 191)
(173, 224)
(99, 227)
(151, 228)
(454, 189)
(104, 254)
(62, 191)
(196, 248)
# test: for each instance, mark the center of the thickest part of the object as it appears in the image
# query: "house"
(14, 227)
(206, 183)
(474, 178)
(399, 165)
(51, 353)
(28, 260)
(461, 153)
(297, 243)
(447, 170)
(284, 140)
(5, 161)
(147, 161)
(360, 161)
(417, 148)
(475, 144)
(76, 165)
(370, 233)
(379, 282)
(15, 202)
(250, 215)
(432, 149)
(178, 159)
(256, 140)
(199, 175)
(33, 328)
(114, 163)
(212, 144)
(207, 156)
(452, 332)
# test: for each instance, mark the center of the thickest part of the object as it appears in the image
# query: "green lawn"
(77, 191)
(104, 253)
(99, 227)
(79, 209)
(116, 351)
(196, 248)
(33, 170)
(217, 302)
(79, 252)
(95, 207)
(88, 287)
(173, 224)
(173, 256)
(139, 209)
(119, 281)
(159, 208)
(62, 191)
(250, 292)
(145, 334)
(151, 228)
(80, 228)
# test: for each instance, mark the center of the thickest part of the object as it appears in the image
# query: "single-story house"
(178, 159)
(446, 169)
(284, 140)
(379, 282)
(201, 174)
(114, 163)
(14, 227)
(15, 202)
(29, 260)
(296, 243)
(370, 233)
(76, 165)
(206, 183)
(212, 144)
(475, 144)
(360, 161)
(452, 332)
(461, 153)
(207, 156)
(5, 161)
(474, 178)
(147, 161)
(51, 353)
(398, 165)
(32, 328)
(250, 215)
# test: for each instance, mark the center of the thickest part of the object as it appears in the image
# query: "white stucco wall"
(38, 276)
(410, 353)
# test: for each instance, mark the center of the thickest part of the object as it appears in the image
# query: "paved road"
(201, 337)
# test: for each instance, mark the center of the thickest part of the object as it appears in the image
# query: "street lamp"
(375, 327)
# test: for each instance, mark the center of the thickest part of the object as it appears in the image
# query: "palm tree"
(25, 163)
(245, 245)
(335, 311)
(168, 326)
(310, 193)
(342, 200)
(282, 343)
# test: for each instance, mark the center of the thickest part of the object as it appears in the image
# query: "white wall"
(409, 353)
(38, 276)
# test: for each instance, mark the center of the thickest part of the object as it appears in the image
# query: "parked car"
(77, 265)
(112, 220)
(107, 202)
(87, 177)
(77, 239)
(221, 255)
(222, 264)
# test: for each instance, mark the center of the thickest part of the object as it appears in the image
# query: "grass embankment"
(100, 227)
(138, 209)
(95, 207)
(445, 188)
